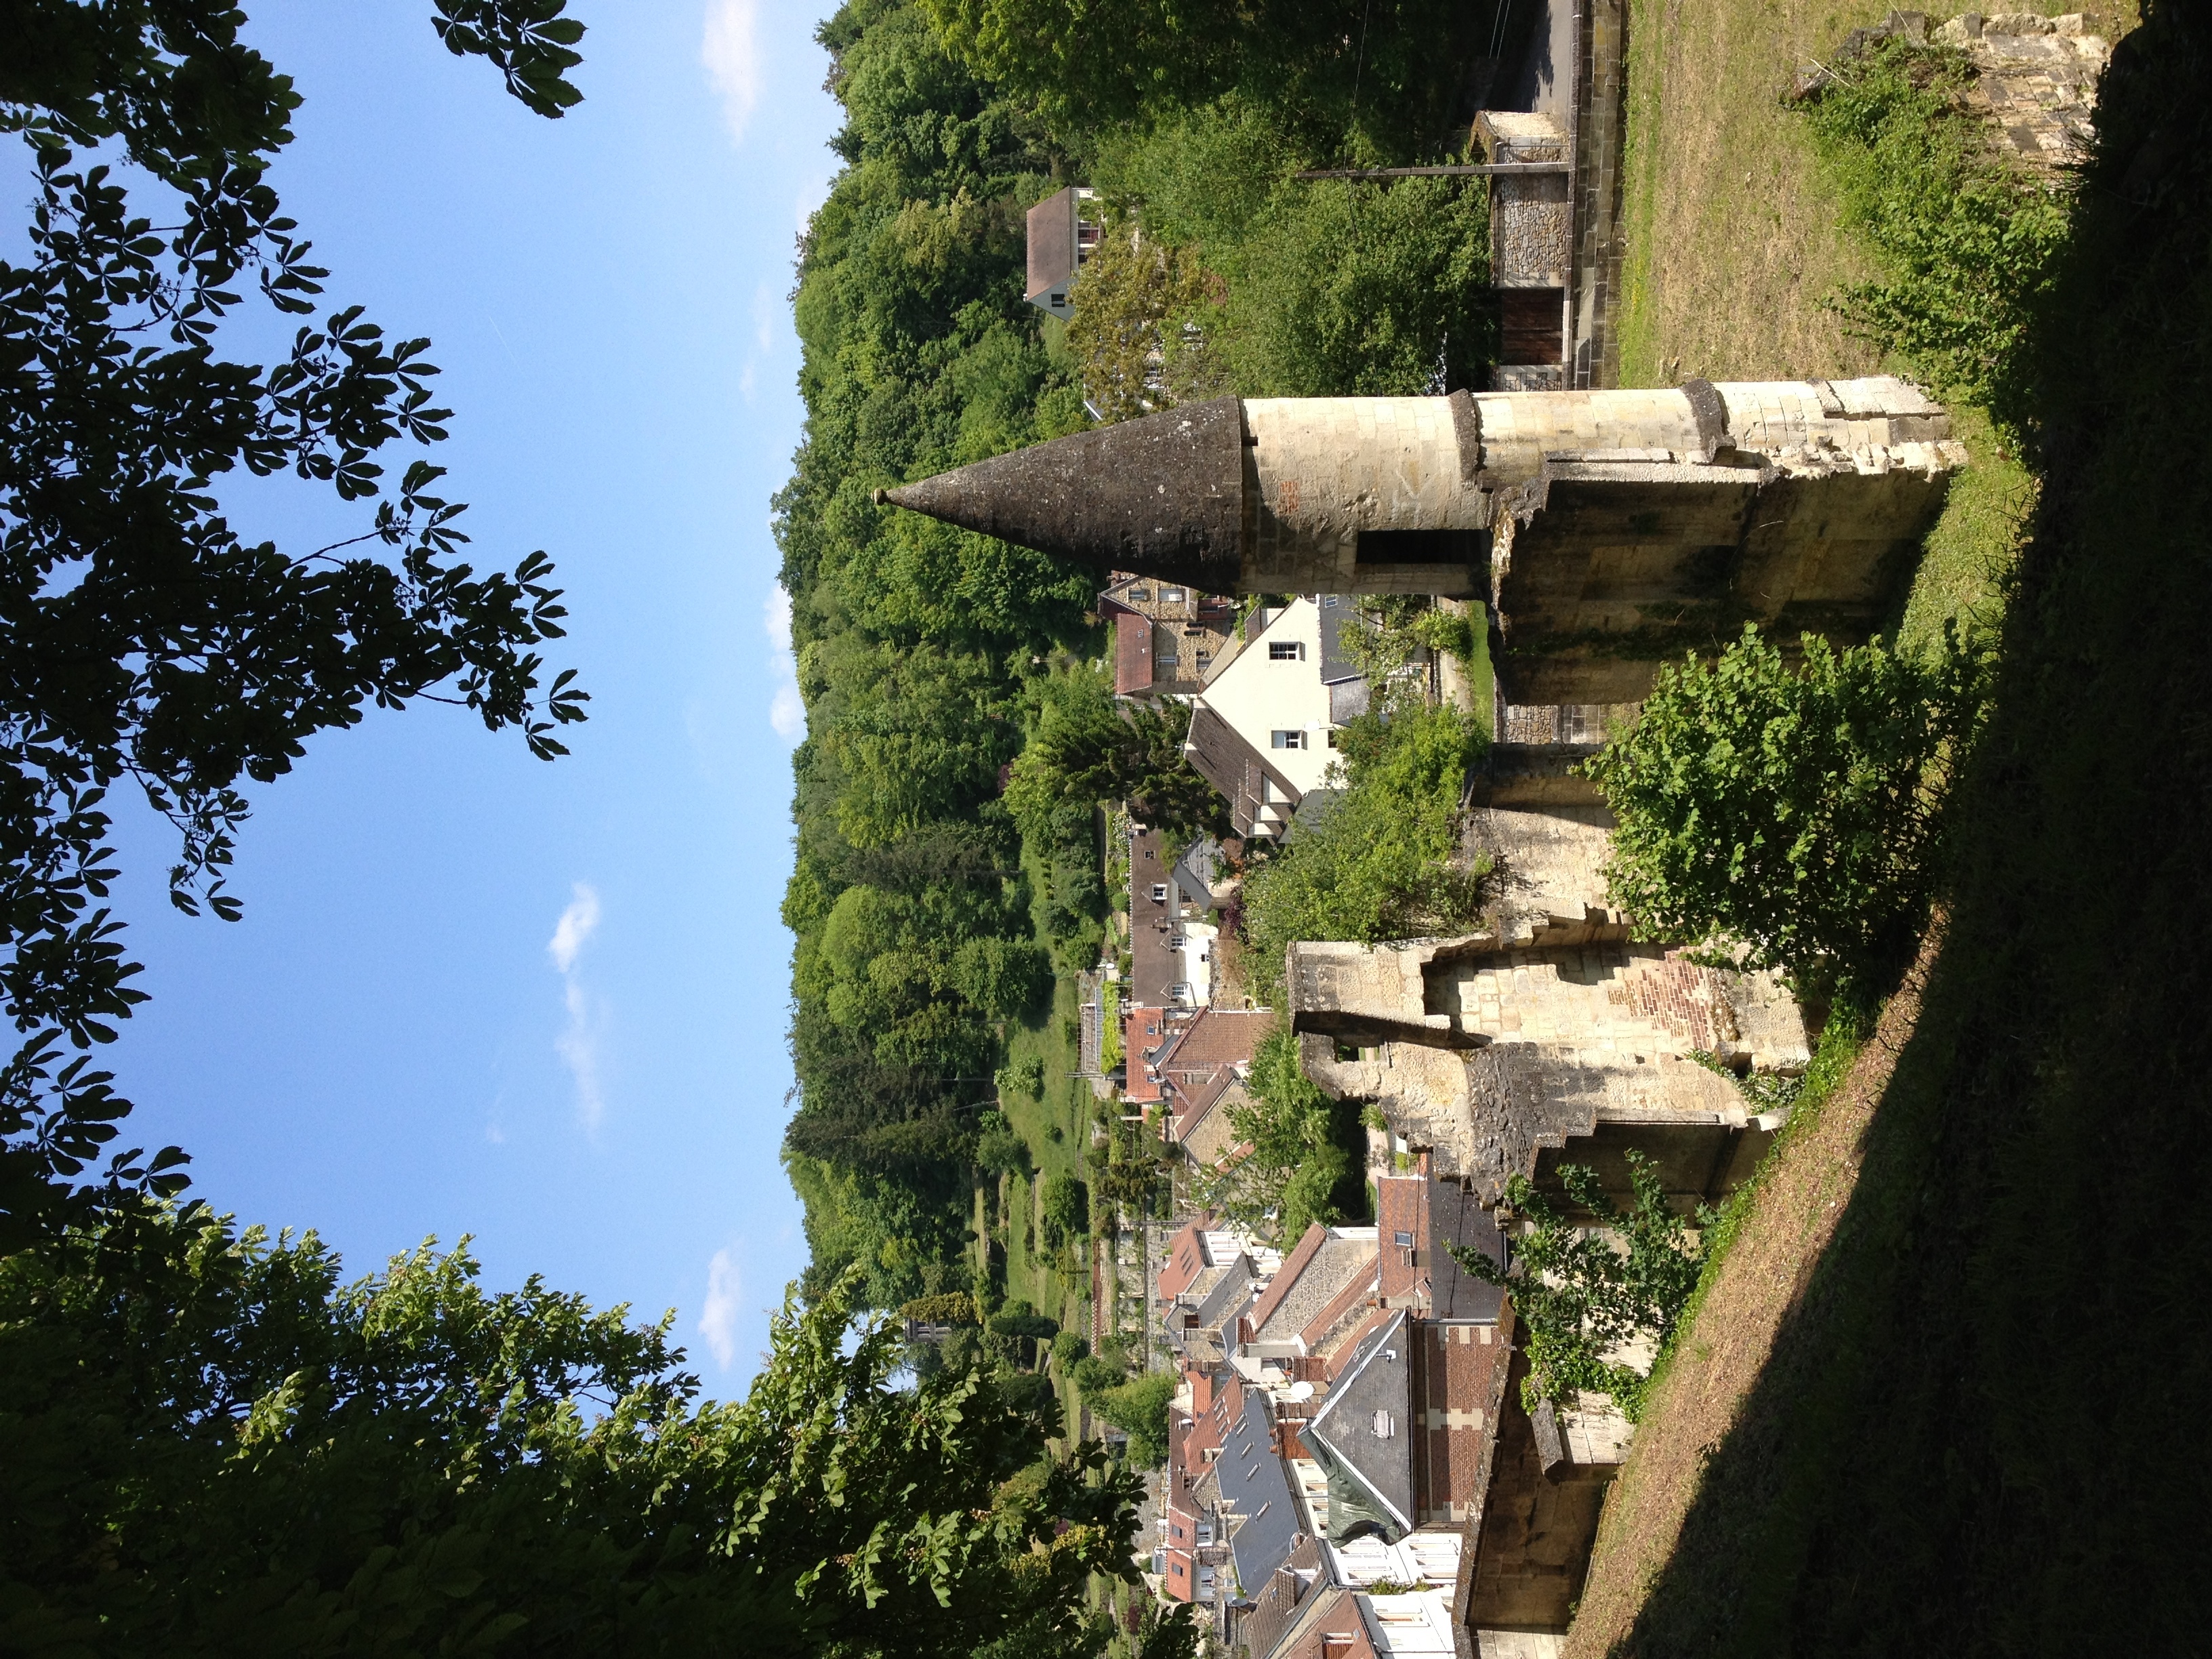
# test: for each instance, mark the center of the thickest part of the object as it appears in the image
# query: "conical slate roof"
(1162, 496)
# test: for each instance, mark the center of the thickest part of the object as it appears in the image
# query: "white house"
(1261, 732)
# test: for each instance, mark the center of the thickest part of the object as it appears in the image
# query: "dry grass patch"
(1733, 244)
(1698, 1400)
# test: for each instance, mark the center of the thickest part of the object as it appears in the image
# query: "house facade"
(1060, 238)
(1167, 638)
(1261, 732)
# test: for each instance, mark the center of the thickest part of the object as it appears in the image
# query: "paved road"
(1544, 79)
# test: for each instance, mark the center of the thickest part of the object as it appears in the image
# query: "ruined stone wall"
(1547, 868)
(1504, 1058)
(2035, 78)
(2036, 82)
(1533, 1543)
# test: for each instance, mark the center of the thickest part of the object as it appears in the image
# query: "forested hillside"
(915, 642)
(926, 655)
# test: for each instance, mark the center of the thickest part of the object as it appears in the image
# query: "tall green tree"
(1380, 77)
(213, 1444)
(1589, 1287)
(142, 640)
(1297, 1162)
(1085, 747)
(1383, 859)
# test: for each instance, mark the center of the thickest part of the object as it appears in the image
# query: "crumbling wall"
(2035, 78)
(1532, 1545)
(1504, 1058)
(1798, 506)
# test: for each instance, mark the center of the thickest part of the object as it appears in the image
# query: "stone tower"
(1607, 530)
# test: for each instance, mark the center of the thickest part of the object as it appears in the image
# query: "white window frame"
(1287, 650)
(1291, 739)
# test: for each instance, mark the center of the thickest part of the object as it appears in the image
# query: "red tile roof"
(1132, 652)
(1186, 1258)
(1141, 1029)
(1220, 1036)
(1402, 1211)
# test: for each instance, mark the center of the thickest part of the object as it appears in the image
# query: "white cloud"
(578, 1045)
(719, 1324)
(574, 929)
(731, 52)
(764, 315)
(786, 710)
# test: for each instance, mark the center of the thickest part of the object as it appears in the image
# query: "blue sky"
(472, 992)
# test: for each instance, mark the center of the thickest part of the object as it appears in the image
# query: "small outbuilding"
(1060, 239)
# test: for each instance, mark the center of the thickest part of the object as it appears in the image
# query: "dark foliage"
(141, 639)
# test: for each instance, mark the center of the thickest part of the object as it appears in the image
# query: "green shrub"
(1029, 1392)
(963, 1351)
(1097, 1374)
(1968, 247)
(1139, 1409)
(1789, 813)
(999, 1150)
(1380, 862)
(1023, 1077)
(1069, 1349)
(1018, 1318)
(1580, 1296)
(1316, 288)
(1066, 1209)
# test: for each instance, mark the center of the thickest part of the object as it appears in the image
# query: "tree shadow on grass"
(1979, 1428)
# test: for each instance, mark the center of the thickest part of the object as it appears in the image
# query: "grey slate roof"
(1456, 1218)
(1235, 769)
(1337, 612)
(1194, 872)
(1227, 1294)
(1348, 700)
(1256, 1487)
(1363, 1432)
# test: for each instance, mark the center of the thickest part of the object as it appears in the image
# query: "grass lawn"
(1055, 1125)
(1734, 251)
(1932, 1398)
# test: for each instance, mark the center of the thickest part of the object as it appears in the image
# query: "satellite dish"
(1299, 1391)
